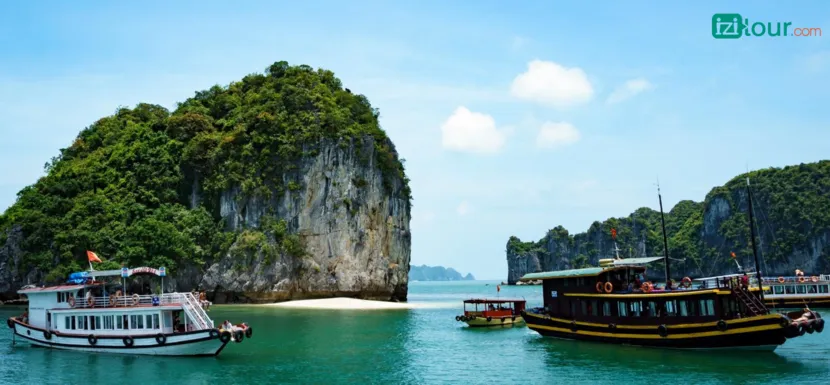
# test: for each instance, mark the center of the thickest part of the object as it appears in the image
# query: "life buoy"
(161, 339)
(225, 336)
(609, 287)
(599, 287)
(249, 332)
(647, 287)
(90, 301)
(113, 299)
(814, 278)
(47, 334)
(801, 279)
(135, 299)
(663, 331)
(722, 325)
(686, 282)
(214, 333)
(128, 341)
(238, 336)
(71, 301)
(780, 279)
(92, 339)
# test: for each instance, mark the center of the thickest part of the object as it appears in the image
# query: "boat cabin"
(493, 307)
(798, 285)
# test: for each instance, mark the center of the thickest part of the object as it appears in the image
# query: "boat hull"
(755, 333)
(195, 343)
(798, 302)
(504, 321)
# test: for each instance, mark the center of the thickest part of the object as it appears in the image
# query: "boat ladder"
(752, 303)
(195, 311)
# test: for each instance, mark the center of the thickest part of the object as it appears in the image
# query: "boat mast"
(665, 240)
(752, 240)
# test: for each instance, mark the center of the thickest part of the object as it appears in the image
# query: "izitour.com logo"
(734, 26)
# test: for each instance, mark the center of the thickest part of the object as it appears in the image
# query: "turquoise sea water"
(420, 346)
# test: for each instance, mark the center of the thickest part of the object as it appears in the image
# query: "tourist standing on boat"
(745, 281)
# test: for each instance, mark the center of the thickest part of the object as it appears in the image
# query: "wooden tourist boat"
(797, 291)
(615, 304)
(492, 312)
(86, 315)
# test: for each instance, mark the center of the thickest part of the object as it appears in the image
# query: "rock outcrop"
(792, 227)
(437, 273)
(276, 187)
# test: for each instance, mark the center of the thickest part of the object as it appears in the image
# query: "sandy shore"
(354, 304)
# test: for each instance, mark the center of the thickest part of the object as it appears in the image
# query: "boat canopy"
(494, 300)
(635, 261)
(585, 272)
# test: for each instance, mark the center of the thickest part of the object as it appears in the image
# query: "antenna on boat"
(752, 239)
(665, 240)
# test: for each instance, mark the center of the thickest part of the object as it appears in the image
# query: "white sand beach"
(344, 303)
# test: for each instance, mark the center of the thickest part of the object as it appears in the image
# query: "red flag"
(614, 233)
(733, 255)
(92, 257)
(498, 288)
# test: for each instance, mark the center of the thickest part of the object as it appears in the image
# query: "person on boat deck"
(745, 281)
(637, 282)
(227, 325)
(25, 317)
(804, 317)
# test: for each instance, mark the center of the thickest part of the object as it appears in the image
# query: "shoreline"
(346, 303)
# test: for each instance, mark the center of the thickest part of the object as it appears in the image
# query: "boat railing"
(798, 279)
(187, 300)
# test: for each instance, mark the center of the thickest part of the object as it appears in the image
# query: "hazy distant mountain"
(437, 273)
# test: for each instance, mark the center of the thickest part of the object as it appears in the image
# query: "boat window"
(134, 321)
(652, 309)
(156, 321)
(671, 307)
(812, 289)
(710, 307)
(822, 289)
(92, 322)
(73, 322)
(168, 320)
(790, 289)
(573, 308)
(636, 308)
(606, 308)
(140, 324)
(622, 309)
(684, 311)
(149, 324)
(778, 289)
(119, 322)
(593, 307)
(66, 322)
(768, 290)
(584, 304)
(801, 289)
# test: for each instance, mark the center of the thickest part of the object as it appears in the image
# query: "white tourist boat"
(87, 315)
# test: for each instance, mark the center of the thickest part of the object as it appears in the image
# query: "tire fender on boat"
(249, 331)
(47, 334)
(802, 328)
(722, 326)
(92, 339)
(573, 326)
(809, 326)
(238, 336)
(10, 323)
(612, 326)
(819, 326)
(663, 331)
(128, 341)
(161, 339)
(489, 319)
(513, 319)
(458, 318)
(225, 336)
(784, 322)
(214, 333)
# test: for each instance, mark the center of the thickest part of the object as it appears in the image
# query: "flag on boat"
(733, 255)
(92, 257)
(614, 233)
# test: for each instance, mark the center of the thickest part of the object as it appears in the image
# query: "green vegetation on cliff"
(125, 187)
(792, 225)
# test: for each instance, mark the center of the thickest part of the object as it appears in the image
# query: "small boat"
(492, 312)
(615, 304)
(797, 291)
(86, 315)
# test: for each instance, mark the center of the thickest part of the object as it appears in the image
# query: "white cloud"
(474, 132)
(463, 208)
(559, 134)
(552, 84)
(629, 89)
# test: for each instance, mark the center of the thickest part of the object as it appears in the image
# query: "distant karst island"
(437, 273)
(279, 186)
(793, 230)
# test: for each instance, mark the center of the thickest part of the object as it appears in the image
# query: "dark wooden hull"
(754, 333)
(798, 302)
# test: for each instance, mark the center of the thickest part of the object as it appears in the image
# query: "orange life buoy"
(609, 287)
(599, 287)
(71, 301)
(686, 282)
(800, 279)
(780, 279)
(814, 278)
(647, 287)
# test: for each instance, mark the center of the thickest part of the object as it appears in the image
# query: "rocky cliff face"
(355, 233)
(792, 230)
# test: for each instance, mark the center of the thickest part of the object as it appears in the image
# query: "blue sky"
(617, 95)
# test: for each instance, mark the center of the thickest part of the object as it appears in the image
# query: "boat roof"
(493, 300)
(589, 271)
(53, 289)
